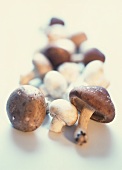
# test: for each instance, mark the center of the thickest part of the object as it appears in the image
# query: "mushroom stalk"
(24, 79)
(57, 125)
(81, 130)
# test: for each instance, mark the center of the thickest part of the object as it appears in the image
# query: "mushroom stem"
(57, 125)
(80, 134)
(24, 79)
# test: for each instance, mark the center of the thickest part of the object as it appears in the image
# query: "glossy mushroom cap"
(59, 51)
(93, 54)
(96, 97)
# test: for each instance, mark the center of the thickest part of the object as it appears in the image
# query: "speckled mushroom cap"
(26, 108)
(96, 97)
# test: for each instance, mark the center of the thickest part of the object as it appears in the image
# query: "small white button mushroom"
(55, 84)
(70, 71)
(66, 44)
(55, 32)
(94, 74)
(63, 113)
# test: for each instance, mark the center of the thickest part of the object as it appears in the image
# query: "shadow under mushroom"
(28, 141)
(99, 143)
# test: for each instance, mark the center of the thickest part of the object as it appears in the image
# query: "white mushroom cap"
(70, 71)
(63, 113)
(66, 44)
(55, 84)
(41, 63)
(94, 74)
(55, 32)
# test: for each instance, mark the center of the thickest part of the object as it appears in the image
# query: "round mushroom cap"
(93, 54)
(96, 97)
(55, 84)
(57, 56)
(64, 111)
(26, 108)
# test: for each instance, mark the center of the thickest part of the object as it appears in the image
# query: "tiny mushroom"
(55, 20)
(63, 113)
(26, 108)
(94, 74)
(55, 84)
(93, 102)
(70, 71)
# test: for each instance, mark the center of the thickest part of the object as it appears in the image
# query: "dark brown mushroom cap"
(26, 108)
(96, 97)
(93, 54)
(57, 55)
(55, 20)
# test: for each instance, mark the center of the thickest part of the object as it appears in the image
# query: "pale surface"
(20, 36)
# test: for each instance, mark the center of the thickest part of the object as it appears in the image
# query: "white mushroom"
(70, 71)
(55, 84)
(41, 66)
(55, 32)
(94, 74)
(63, 113)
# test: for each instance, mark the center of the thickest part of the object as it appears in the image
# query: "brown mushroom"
(93, 102)
(93, 54)
(59, 51)
(55, 20)
(26, 108)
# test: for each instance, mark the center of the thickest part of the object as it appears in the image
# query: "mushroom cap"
(78, 38)
(55, 20)
(70, 71)
(93, 54)
(57, 56)
(26, 108)
(55, 84)
(96, 97)
(64, 111)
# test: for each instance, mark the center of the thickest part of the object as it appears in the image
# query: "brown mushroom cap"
(57, 56)
(56, 20)
(93, 54)
(26, 108)
(96, 97)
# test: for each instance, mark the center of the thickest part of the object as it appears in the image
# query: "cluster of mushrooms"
(67, 81)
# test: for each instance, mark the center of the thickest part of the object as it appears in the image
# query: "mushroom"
(93, 54)
(55, 84)
(63, 113)
(55, 20)
(59, 51)
(93, 102)
(55, 32)
(41, 66)
(70, 71)
(94, 74)
(26, 108)
(78, 39)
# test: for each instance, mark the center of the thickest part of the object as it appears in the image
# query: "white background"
(20, 35)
